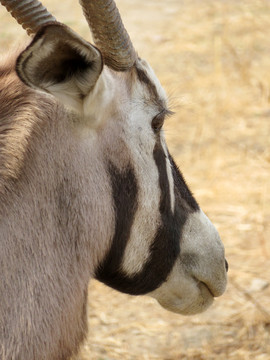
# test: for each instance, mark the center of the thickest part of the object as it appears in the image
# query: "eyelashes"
(159, 119)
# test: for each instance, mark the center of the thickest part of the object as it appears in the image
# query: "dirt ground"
(213, 58)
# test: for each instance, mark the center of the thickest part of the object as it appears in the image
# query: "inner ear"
(68, 63)
(60, 62)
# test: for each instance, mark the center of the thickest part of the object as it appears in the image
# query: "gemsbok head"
(88, 188)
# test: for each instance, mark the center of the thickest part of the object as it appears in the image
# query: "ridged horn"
(109, 33)
(31, 14)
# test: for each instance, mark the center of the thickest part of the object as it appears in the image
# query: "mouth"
(204, 285)
(190, 291)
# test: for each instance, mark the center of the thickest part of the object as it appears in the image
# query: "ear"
(61, 63)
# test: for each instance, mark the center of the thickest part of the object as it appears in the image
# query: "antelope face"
(162, 244)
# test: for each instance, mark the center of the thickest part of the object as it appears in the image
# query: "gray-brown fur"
(16, 125)
(44, 243)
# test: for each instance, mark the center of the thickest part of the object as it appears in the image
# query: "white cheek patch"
(147, 218)
(146, 222)
(169, 175)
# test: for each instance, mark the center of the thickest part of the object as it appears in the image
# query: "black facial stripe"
(143, 78)
(166, 244)
(181, 188)
(165, 199)
(125, 193)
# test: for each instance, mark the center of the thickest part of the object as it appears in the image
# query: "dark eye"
(158, 122)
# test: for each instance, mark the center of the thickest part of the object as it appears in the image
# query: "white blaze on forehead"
(169, 175)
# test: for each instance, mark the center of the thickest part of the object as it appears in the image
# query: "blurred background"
(213, 59)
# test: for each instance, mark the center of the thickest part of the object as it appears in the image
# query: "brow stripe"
(143, 78)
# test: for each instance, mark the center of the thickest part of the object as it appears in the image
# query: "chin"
(201, 300)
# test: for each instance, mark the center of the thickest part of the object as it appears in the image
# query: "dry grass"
(213, 57)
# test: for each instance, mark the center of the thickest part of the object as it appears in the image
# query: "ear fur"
(61, 63)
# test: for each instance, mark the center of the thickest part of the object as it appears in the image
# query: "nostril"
(226, 265)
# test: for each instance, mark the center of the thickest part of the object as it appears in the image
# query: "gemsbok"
(88, 188)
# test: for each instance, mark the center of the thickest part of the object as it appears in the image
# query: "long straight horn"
(31, 14)
(109, 33)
